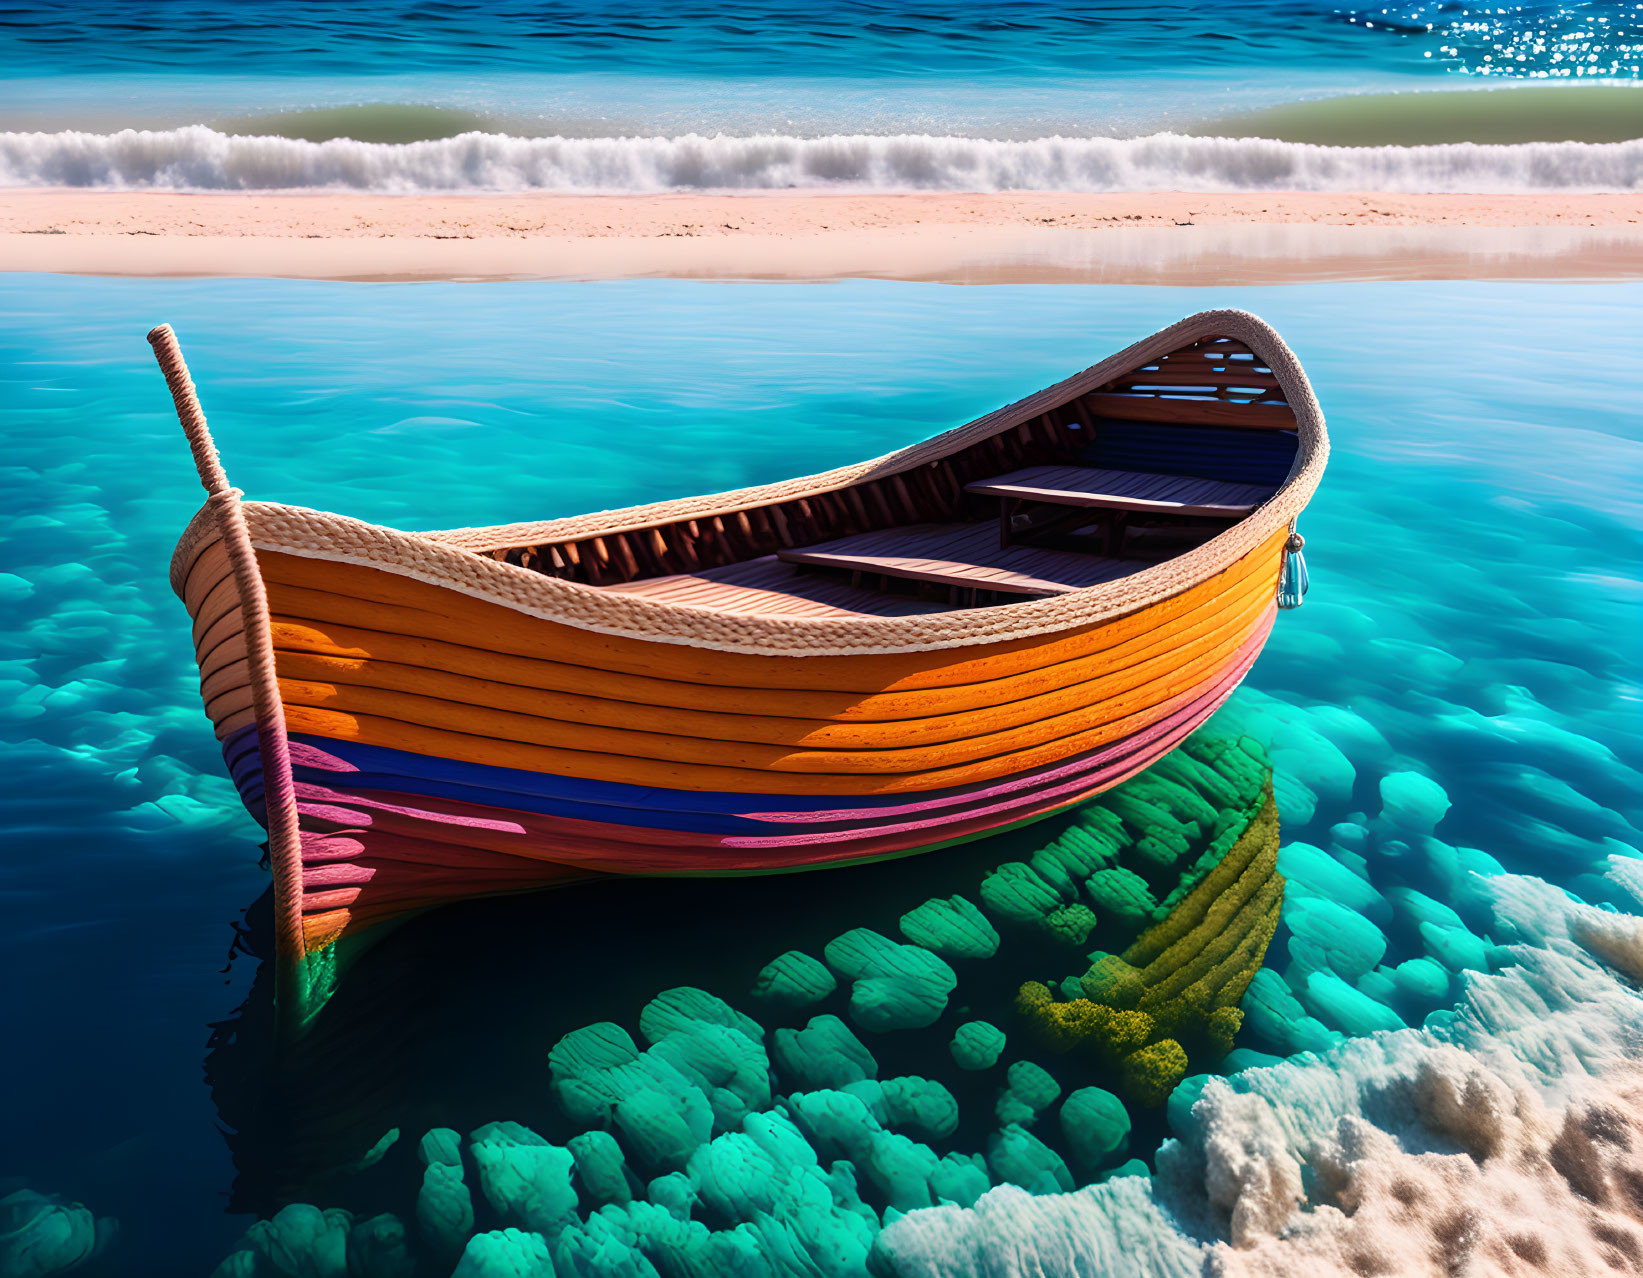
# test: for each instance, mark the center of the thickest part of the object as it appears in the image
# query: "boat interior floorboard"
(964, 556)
(769, 587)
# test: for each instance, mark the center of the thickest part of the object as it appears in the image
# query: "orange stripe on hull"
(334, 682)
(317, 590)
(922, 770)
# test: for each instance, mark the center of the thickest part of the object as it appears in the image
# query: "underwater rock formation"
(41, 1236)
(895, 987)
(977, 1045)
(794, 979)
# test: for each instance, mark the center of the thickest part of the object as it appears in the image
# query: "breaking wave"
(200, 158)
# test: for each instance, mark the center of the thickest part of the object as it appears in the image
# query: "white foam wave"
(199, 158)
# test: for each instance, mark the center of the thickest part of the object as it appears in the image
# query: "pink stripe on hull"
(1060, 785)
(1182, 704)
(382, 823)
(1146, 748)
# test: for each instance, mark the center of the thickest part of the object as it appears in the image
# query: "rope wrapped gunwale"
(452, 558)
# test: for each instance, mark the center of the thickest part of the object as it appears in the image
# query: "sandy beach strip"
(1148, 237)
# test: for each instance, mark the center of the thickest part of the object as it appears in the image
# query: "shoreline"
(1015, 237)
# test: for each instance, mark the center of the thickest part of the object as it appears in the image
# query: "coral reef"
(1177, 988)
(727, 1146)
(712, 1143)
(1506, 1140)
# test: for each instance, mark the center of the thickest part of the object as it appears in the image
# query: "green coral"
(1096, 1126)
(919, 1107)
(953, 928)
(1150, 1075)
(685, 1008)
(40, 1236)
(526, 1180)
(794, 979)
(1017, 1157)
(299, 1239)
(1028, 1092)
(600, 1166)
(1130, 857)
(505, 1253)
(1071, 924)
(824, 1054)
(976, 1045)
(1018, 894)
(1077, 853)
(1177, 987)
(895, 986)
(1122, 896)
(1112, 981)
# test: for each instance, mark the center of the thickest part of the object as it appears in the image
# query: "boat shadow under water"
(466, 1015)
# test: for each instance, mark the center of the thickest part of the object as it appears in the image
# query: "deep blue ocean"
(1473, 622)
(879, 94)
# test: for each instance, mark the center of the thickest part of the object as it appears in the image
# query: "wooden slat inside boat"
(971, 633)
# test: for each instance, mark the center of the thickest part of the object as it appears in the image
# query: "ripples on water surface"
(604, 97)
(1025, 69)
(838, 37)
(1457, 704)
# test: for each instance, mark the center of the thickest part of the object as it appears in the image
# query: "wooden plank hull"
(454, 718)
(410, 795)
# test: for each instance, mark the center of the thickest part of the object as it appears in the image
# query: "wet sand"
(1148, 237)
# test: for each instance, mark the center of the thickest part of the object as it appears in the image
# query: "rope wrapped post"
(279, 791)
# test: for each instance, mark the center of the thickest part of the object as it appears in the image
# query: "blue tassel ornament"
(1292, 582)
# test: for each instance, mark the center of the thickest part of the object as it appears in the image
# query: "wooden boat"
(960, 637)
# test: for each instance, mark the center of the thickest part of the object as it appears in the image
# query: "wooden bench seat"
(966, 556)
(1126, 490)
(765, 587)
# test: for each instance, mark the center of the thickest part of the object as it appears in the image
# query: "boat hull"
(407, 798)
(419, 718)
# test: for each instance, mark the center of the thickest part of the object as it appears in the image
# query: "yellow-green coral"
(1178, 986)
(1258, 842)
(1114, 982)
(1150, 1075)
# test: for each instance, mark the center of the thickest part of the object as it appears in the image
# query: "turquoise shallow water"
(1474, 619)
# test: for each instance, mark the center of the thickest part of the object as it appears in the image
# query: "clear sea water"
(1474, 618)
